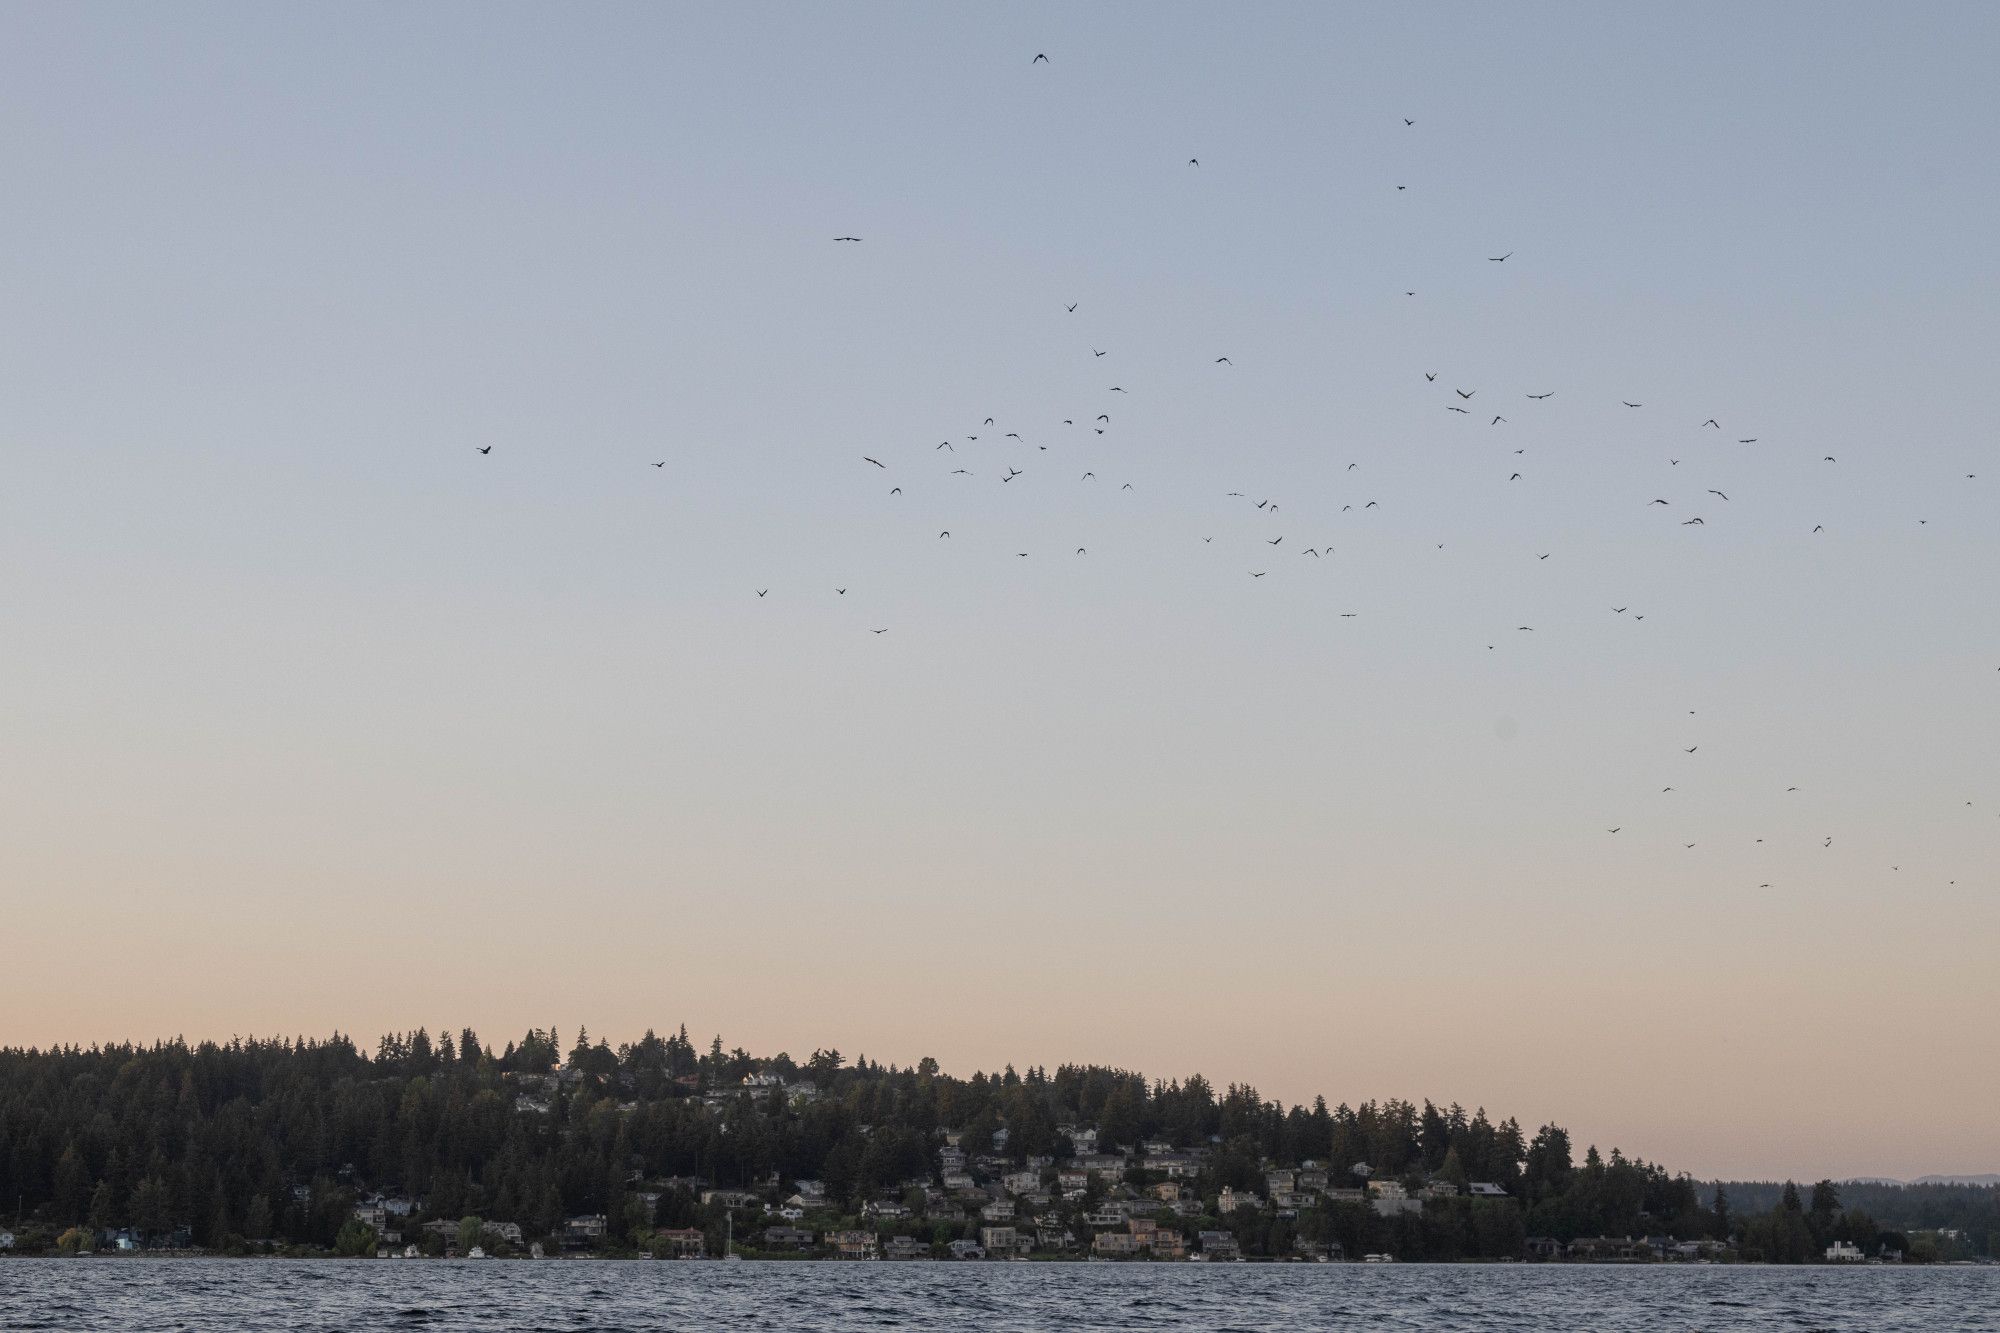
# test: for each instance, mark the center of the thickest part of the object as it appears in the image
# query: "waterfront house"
(1544, 1247)
(1841, 1252)
(1219, 1245)
(584, 1229)
(1609, 1248)
(853, 1244)
(966, 1249)
(1115, 1245)
(682, 1242)
(1000, 1241)
(788, 1238)
(907, 1247)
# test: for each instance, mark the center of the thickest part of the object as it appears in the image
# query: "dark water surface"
(303, 1296)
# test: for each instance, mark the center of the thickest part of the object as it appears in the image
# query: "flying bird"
(1039, 60)
(1072, 307)
(1496, 421)
(1713, 422)
(1631, 404)
(1539, 396)
(1194, 161)
(1500, 259)
(485, 448)
(762, 591)
(1224, 361)
(878, 631)
(847, 238)
(866, 459)
(1430, 377)
(1715, 492)
(659, 465)
(1463, 394)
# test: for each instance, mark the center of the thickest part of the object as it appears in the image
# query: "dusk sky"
(316, 717)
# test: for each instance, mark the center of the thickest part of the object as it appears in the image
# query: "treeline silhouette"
(272, 1141)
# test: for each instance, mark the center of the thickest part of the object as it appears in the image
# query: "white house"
(1841, 1252)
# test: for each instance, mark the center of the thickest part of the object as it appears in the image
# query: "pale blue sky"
(318, 717)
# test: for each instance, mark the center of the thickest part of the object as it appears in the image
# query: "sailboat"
(729, 1253)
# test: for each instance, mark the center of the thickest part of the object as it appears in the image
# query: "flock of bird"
(1003, 457)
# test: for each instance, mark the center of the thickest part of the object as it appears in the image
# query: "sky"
(317, 717)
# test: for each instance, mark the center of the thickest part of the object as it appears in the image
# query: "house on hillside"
(682, 1242)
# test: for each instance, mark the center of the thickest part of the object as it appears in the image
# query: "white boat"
(1378, 1258)
(477, 1253)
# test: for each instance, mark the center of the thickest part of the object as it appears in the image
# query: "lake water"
(304, 1296)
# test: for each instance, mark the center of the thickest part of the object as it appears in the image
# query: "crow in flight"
(1500, 259)
(485, 448)
(866, 459)
(1039, 60)
(1463, 394)
(659, 465)
(847, 238)
(1539, 396)
(1224, 361)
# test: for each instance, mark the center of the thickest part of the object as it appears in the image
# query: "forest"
(267, 1144)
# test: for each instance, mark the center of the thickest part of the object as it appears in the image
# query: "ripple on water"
(295, 1296)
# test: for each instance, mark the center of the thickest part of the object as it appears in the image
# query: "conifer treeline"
(273, 1139)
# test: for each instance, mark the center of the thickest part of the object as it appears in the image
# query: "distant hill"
(1987, 1178)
